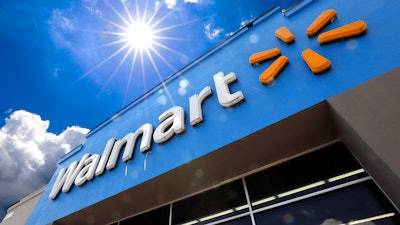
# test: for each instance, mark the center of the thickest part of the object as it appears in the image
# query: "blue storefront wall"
(354, 61)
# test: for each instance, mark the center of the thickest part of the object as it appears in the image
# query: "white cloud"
(170, 3)
(29, 153)
(8, 111)
(60, 19)
(61, 24)
(92, 6)
(212, 33)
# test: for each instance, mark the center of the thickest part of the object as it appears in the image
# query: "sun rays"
(137, 40)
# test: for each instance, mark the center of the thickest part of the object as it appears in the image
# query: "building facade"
(20, 211)
(306, 131)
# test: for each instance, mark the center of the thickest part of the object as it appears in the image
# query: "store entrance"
(325, 187)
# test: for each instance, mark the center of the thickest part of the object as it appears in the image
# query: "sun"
(139, 36)
(136, 42)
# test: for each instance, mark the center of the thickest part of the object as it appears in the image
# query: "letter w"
(66, 177)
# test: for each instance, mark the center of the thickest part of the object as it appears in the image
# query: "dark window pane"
(214, 201)
(158, 216)
(314, 167)
(353, 203)
(241, 221)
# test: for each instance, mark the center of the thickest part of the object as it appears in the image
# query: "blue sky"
(68, 65)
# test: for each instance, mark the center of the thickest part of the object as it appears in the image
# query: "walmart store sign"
(172, 122)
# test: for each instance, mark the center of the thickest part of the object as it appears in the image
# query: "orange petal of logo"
(341, 33)
(273, 70)
(322, 21)
(285, 35)
(260, 57)
(316, 62)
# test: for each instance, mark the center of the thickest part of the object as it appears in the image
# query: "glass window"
(241, 221)
(221, 202)
(158, 216)
(324, 187)
(358, 204)
(306, 174)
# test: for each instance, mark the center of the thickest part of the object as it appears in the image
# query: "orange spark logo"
(316, 62)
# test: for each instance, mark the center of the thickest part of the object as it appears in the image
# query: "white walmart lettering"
(172, 122)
